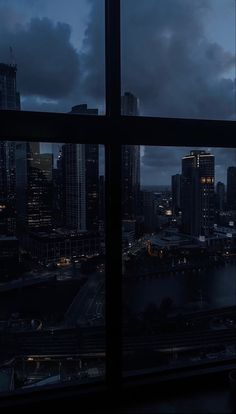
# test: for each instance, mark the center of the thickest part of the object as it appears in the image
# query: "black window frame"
(112, 130)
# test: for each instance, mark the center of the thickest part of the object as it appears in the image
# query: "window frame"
(112, 130)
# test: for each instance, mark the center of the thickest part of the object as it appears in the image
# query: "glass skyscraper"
(9, 100)
(197, 193)
(130, 164)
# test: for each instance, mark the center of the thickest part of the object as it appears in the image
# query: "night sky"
(178, 58)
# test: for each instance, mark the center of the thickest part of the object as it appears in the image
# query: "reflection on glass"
(179, 257)
(52, 281)
(178, 57)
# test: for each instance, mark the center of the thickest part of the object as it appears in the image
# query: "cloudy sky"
(169, 163)
(178, 57)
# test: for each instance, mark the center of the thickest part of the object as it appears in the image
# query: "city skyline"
(154, 162)
(158, 164)
(191, 74)
(76, 250)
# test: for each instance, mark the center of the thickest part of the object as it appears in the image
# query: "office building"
(197, 193)
(9, 96)
(10, 100)
(231, 188)
(150, 218)
(130, 164)
(52, 246)
(176, 193)
(81, 175)
(220, 196)
(34, 188)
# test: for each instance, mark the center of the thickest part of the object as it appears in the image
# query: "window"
(113, 131)
(52, 260)
(179, 252)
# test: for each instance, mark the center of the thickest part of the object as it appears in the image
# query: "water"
(214, 288)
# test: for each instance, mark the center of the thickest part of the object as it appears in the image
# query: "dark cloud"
(93, 55)
(48, 65)
(159, 163)
(169, 63)
(167, 60)
(172, 67)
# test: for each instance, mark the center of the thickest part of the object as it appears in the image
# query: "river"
(213, 288)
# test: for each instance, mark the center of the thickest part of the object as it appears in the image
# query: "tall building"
(9, 96)
(75, 186)
(129, 104)
(130, 164)
(231, 188)
(81, 172)
(197, 193)
(176, 193)
(101, 203)
(150, 218)
(33, 186)
(220, 196)
(10, 100)
(58, 192)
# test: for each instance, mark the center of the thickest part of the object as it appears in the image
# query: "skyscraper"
(10, 100)
(150, 218)
(176, 193)
(9, 96)
(231, 188)
(220, 196)
(33, 186)
(197, 193)
(75, 186)
(129, 104)
(81, 171)
(130, 164)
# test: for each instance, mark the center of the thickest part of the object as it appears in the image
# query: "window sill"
(145, 389)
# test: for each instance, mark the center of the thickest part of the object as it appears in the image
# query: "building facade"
(9, 100)
(34, 189)
(81, 177)
(130, 164)
(231, 188)
(176, 193)
(220, 196)
(197, 193)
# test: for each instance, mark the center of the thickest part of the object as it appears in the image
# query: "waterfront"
(205, 289)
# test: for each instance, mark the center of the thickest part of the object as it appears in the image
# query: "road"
(87, 307)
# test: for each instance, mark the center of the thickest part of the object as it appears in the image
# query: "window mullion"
(113, 199)
(113, 267)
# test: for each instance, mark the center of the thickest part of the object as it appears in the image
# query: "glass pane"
(52, 281)
(52, 55)
(178, 57)
(179, 256)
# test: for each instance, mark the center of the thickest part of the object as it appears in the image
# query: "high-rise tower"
(176, 193)
(220, 196)
(9, 100)
(81, 172)
(33, 186)
(231, 188)
(9, 96)
(197, 193)
(130, 164)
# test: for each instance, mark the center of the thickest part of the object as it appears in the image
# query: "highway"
(87, 307)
